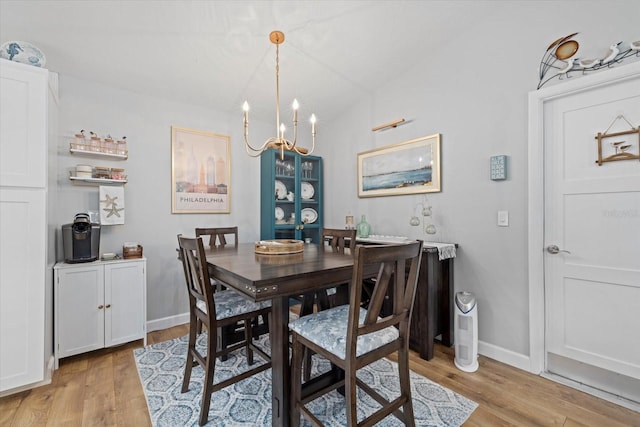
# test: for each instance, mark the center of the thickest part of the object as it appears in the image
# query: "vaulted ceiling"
(217, 53)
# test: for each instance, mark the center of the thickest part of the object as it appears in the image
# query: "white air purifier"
(466, 332)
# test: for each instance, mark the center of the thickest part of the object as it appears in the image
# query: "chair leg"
(306, 308)
(224, 332)
(265, 321)
(212, 343)
(323, 300)
(306, 371)
(296, 381)
(248, 337)
(193, 328)
(405, 386)
(307, 304)
(351, 397)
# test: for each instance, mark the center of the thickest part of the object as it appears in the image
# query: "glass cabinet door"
(291, 190)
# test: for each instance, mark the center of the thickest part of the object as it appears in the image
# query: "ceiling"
(217, 53)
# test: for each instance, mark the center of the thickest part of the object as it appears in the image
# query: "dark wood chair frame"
(218, 235)
(219, 238)
(392, 259)
(199, 286)
(339, 240)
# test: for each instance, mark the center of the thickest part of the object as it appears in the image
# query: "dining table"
(277, 277)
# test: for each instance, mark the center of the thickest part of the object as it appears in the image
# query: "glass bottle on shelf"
(108, 145)
(80, 142)
(363, 228)
(95, 144)
(121, 146)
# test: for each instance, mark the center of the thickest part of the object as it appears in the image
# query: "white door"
(592, 215)
(23, 134)
(125, 313)
(79, 311)
(22, 293)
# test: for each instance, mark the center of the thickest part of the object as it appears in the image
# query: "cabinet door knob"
(100, 307)
(108, 305)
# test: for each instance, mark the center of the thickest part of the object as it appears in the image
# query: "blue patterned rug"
(248, 402)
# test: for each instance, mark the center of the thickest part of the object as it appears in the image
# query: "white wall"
(146, 122)
(473, 92)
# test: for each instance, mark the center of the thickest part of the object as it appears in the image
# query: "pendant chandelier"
(279, 142)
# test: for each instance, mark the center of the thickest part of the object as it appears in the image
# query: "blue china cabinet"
(291, 204)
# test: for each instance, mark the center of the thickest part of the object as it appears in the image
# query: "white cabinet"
(99, 304)
(22, 287)
(23, 226)
(24, 116)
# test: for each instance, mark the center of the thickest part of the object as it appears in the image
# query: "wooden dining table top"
(263, 277)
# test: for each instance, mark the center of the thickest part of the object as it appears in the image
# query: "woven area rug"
(248, 402)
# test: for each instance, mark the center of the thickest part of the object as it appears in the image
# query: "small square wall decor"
(498, 169)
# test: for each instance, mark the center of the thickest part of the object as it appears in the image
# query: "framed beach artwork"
(200, 171)
(408, 167)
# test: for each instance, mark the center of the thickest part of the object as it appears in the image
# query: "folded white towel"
(445, 250)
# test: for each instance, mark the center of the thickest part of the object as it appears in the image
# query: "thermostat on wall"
(498, 168)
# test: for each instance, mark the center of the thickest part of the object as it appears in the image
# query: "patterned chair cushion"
(328, 329)
(230, 303)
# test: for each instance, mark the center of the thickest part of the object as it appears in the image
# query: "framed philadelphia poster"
(200, 171)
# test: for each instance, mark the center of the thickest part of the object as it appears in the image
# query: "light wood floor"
(102, 388)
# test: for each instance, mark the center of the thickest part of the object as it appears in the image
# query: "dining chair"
(339, 240)
(220, 238)
(213, 310)
(218, 235)
(352, 337)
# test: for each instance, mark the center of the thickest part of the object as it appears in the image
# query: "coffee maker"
(81, 240)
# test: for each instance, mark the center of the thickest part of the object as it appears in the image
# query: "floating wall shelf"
(98, 181)
(98, 154)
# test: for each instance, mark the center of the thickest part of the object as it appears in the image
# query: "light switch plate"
(503, 218)
(498, 168)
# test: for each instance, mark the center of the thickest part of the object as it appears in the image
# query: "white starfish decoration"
(114, 210)
(109, 201)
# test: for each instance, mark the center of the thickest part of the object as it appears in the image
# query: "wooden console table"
(433, 306)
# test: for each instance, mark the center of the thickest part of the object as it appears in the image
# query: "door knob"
(554, 249)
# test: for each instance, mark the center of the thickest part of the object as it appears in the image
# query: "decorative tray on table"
(279, 247)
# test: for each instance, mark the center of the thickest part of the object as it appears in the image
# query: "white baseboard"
(167, 322)
(503, 355)
(618, 400)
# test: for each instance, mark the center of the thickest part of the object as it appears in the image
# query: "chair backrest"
(392, 263)
(219, 236)
(196, 274)
(340, 239)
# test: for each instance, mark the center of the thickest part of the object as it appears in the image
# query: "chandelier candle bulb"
(295, 107)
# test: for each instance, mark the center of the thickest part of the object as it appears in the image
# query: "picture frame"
(408, 167)
(200, 171)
